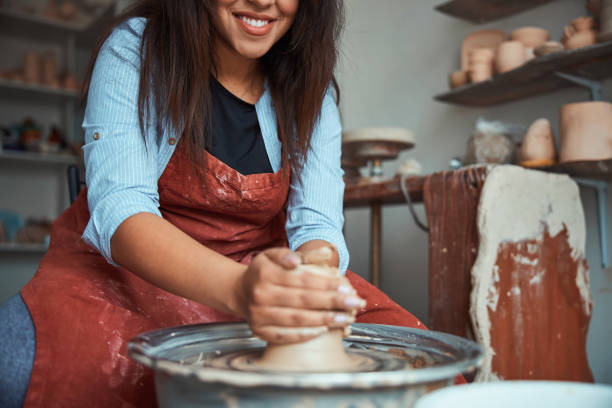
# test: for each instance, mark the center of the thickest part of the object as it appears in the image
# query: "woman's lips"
(253, 25)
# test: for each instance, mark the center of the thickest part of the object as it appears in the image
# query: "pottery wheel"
(376, 143)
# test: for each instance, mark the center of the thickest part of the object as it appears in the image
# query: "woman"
(213, 160)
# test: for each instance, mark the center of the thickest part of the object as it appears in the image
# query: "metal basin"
(185, 377)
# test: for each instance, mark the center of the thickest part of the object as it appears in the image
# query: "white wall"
(396, 56)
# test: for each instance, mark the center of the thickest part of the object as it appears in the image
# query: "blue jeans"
(17, 349)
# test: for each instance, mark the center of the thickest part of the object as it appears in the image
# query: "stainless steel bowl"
(180, 356)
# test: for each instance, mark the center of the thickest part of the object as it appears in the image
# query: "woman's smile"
(254, 24)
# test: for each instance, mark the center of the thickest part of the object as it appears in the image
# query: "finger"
(273, 295)
(283, 257)
(283, 335)
(289, 317)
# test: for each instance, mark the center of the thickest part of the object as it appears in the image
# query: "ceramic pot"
(586, 131)
(480, 72)
(481, 56)
(583, 23)
(538, 147)
(70, 82)
(31, 68)
(510, 55)
(531, 37)
(581, 39)
(457, 79)
(49, 69)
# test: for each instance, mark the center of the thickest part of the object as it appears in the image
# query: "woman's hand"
(283, 306)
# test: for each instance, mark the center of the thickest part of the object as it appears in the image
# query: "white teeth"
(253, 22)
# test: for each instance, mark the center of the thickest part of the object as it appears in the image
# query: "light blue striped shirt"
(122, 173)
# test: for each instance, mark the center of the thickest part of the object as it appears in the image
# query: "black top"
(236, 137)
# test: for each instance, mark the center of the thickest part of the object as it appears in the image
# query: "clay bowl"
(412, 362)
(531, 37)
(481, 56)
(581, 39)
(510, 55)
(586, 131)
(549, 47)
(457, 79)
(583, 23)
(538, 143)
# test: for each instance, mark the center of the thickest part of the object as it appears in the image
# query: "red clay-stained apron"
(85, 310)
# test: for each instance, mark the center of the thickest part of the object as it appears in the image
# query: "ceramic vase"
(457, 79)
(538, 147)
(586, 131)
(580, 39)
(49, 69)
(583, 24)
(510, 55)
(531, 37)
(31, 68)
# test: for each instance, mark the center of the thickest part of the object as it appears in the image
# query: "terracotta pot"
(583, 23)
(586, 131)
(530, 36)
(510, 55)
(538, 144)
(581, 39)
(31, 68)
(49, 69)
(481, 56)
(458, 78)
(480, 72)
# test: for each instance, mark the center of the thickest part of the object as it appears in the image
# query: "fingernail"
(293, 258)
(342, 318)
(345, 289)
(354, 302)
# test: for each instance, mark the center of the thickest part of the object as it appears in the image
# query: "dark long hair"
(176, 61)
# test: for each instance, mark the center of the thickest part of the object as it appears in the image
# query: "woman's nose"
(262, 3)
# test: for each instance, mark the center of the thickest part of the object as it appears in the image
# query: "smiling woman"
(212, 154)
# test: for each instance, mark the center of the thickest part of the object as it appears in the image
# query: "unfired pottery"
(510, 55)
(31, 68)
(583, 23)
(49, 69)
(480, 39)
(457, 79)
(70, 82)
(586, 131)
(581, 39)
(531, 37)
(480, 72)
(538, 147)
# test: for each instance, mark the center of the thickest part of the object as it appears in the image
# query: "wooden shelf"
(15, 89)
(386, 192)
(596, 169)
(40, 158)
(10, 247)
(536, 77)
(17, 23)
(482, 11)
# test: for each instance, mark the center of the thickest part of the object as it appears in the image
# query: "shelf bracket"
(601, 188)
(592, 85)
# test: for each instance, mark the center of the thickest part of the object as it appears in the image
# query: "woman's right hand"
(283, 306)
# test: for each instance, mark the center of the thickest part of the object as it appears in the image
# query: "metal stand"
(601, 188)
(592, 85)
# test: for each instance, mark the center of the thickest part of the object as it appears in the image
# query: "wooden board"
(594, 169)
(536, 77)
(386, 192)
(481, 11)
(451, 199)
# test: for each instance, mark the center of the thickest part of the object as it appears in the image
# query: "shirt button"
(96, 136)
(172, 141)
